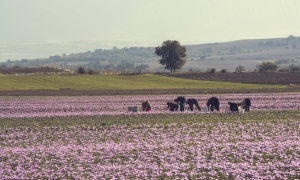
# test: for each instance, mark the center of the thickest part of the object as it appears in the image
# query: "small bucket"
(242, 111)
(205, 109)
(227, 110)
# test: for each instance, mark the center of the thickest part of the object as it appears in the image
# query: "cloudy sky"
(144, 22)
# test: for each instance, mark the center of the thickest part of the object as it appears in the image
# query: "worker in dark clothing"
(246, 103)
(181, 101)
(213, 103)
(146, 106)
(233, 107)
(191, 102)
(172, 106)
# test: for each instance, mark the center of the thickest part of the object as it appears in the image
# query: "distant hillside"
(226, 55)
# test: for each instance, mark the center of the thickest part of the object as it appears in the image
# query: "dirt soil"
(274, 78)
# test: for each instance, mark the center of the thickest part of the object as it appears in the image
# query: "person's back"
(181, 101)
(213, 103)
(191, 102)
(216, 103)
(233, 107)
(247, 104)
(172, 106)
(146, 106)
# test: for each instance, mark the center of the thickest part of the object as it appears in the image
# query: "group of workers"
(245, 104)
(212, 104)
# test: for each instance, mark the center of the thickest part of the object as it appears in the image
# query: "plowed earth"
(290, 79)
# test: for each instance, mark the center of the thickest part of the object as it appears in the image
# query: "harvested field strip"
(277, 78)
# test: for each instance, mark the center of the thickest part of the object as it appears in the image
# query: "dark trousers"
(173, 109)
(212, 108)
(182, 106)
(247, 108)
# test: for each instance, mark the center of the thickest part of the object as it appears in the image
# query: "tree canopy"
(172, 55)
(268, 67)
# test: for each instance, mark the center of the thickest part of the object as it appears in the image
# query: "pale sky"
(147, 22)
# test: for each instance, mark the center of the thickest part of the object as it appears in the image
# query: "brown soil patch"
(274, 78)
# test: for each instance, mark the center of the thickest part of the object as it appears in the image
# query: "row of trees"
(122, 66)
(173, 57)
(291, 40)
(264, 67)
(115, 56)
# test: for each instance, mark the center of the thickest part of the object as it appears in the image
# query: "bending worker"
(246, 103)
(146, 106)
(172, 106)
(181, 101)
(213, 103)
(233, 107)
(191, 103)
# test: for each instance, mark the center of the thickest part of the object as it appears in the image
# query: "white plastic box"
(133, 109)
(241, 111)
(227, 110)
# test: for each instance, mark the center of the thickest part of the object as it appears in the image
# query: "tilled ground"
(290, 78)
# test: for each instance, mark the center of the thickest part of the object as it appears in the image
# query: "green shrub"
(81, 70)
(224, 71)
(91, 71)
(284, 70)
(211, 70)
(240, 68)
(268, 67)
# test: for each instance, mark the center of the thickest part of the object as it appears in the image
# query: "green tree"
(294, 46)
(240, 68)
(81, 70)
(291, 38)
(172, 55)
(268, 66)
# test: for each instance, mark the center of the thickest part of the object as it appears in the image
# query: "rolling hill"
(225, 55)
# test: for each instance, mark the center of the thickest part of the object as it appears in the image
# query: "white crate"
(227, 110)
(133, 108)
(241, 111)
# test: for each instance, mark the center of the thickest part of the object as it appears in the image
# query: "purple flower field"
(238, 150)
(114, 105)
(241, 149)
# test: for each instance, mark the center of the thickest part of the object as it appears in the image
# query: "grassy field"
(116, 82)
